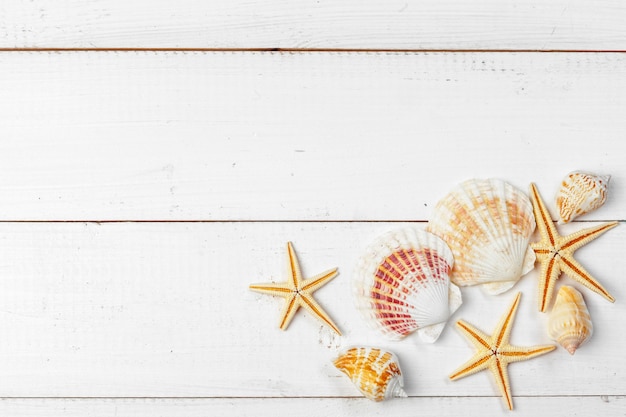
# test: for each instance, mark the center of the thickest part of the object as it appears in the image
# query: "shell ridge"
(497, 208)
(518, 243)
(487, 220)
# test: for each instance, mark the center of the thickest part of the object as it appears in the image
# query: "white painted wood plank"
(163, 310)
(608, 406)
(284, 136)
(403, 24)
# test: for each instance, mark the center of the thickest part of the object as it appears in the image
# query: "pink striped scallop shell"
(401, 284)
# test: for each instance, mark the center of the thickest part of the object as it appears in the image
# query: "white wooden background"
(156, 157)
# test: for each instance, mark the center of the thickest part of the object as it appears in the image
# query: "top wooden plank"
(346, 24)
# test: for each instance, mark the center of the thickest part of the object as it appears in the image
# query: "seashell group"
(375, 372)
(569, 323)
(401, 284)
(487, 224)
(580, 193)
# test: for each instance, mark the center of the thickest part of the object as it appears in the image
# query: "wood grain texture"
(301, 407)
(351, 24)
(297, 136)
(164, 310)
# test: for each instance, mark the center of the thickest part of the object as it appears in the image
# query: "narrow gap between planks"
(168, 398)
(315, 50)
(221, 221)
(260, 221)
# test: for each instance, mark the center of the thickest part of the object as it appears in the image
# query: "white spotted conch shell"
(487, 224)
(375, 372)
(580, 193)
(569, 323)
(401, 284)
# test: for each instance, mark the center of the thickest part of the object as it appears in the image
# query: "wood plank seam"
(320, 50)
(294, 397)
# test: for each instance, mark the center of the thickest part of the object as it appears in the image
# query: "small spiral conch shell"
(580, 193)
(375, 372)
(569, 323)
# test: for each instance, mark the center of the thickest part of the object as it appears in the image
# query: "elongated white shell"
(375, 372)
(580, 193)
(401, 284)
(569, 323)
(487, 224)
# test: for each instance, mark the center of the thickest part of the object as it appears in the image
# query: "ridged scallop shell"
(375, 372)
(569, 323)
(580, 193)
(487, 224)
(401, 284)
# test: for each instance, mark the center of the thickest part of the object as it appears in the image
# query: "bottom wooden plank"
(164, 310)
(300, 407)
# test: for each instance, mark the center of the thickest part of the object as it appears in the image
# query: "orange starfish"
(495, 353)
(298, 292)
(556, 253)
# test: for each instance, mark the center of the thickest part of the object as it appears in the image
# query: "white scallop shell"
(569, 322)
(580, 193)
(487, 224)
(401, 284)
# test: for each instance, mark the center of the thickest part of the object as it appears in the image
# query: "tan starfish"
(298, 292)
(555, 253)
(495, 353)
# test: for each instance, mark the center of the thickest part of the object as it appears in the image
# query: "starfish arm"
(281, 289)
(295, 275)
(314, 308)
(511, 353)
(500, 373)
(503, 330)
(542, 216)
(508, 354)
(312, 284)
(477, 363)
(550, 271)
(582, 237)
(576, 271)
(289, 311)
(479, 339)
(542, 251)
